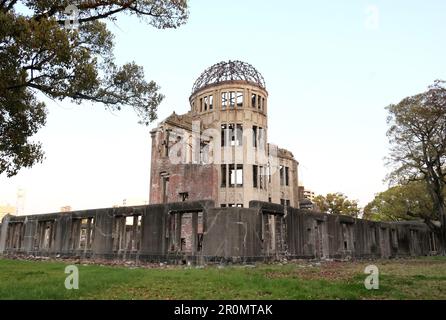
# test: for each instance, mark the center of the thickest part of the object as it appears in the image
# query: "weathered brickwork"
(219, 150)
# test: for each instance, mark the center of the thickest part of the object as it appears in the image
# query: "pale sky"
(330, 68)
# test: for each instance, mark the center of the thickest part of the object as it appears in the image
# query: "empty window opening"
(231, 134)
(119, 233)
(164, 186)
(224, 100)
(136, 236)
(165, 142)
(224, 135)
(183, 244)
(223, 176)
(85, 230)
(211, 102)
(282, 177)
(15, 236)
(236, 175)
(184, 196)
(45, 234)
(239, 99)
(254, 136)
(254, 100)
(261, 180)
(236, 134)
(237, 138)
(235, 205)
(46, 238)
(261, 138)
(347, 236)
(263, 173)
(127, 233)
(205, 107)
(254, 175)
(200, 231)
(186, 232)
(232, 97)
(287, 180)
(172, 232)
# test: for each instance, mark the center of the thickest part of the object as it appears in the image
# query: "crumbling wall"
(197, 181)
(198, 232)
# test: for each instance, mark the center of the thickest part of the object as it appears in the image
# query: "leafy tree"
(38, 54)
(401, 202)
(337, 203)
(417, 135)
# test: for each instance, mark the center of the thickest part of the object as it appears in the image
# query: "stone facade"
(200, 232)
(218, 150)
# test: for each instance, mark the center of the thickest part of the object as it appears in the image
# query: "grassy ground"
(422, 278)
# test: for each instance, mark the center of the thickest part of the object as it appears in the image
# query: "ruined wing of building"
(219, 150)
(219, 193)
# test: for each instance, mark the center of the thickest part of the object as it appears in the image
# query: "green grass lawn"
(422, 278)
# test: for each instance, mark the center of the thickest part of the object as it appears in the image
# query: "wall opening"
(235, 175)
(254, 175)
(432, 243)
(184, 196)
(186, 230)
(82, 233)
(272, 233)
(347, 236)
(224, 100)
(254, 100)
(127, 233)
(44, 236)
(14, 239)
(164, 186)
(239, 99)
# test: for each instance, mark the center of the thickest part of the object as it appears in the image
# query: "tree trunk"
(435, 188)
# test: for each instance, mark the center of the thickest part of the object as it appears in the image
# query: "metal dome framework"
(229, 71)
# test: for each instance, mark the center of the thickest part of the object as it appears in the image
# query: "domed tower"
(224, 142)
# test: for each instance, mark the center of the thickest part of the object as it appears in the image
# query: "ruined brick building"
(219, 192)
(218, 150)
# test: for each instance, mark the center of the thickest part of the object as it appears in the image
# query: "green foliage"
(337, 203)
(38, 54)
(417, 135)
(402, 202)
